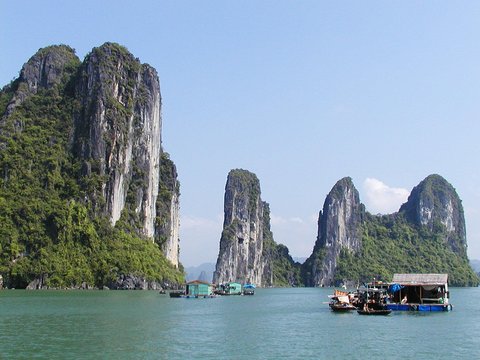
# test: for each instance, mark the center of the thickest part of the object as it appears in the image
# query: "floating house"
(197, 288)
(419, 292)
(234, 288)
(231, 288)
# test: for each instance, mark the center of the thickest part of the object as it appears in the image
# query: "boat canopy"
(420, 279)
(249, 286)
(394, 288)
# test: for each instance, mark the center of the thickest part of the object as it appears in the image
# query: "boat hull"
(419, 307)
(176, 294)
(182, 295)
(342, 307)
(374, 312)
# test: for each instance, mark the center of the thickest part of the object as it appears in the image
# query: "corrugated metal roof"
(420, 279)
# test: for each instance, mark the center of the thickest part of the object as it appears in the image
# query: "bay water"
(289, 323)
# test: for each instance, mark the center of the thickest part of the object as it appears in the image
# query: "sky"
(301, 93)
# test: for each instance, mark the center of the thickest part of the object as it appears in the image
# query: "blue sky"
(302, 93)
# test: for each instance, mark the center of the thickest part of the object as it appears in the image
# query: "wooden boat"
(176, 294)
(341, 301)
(341, 307)
(373, 299)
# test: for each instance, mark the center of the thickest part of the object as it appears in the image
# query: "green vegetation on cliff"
(83, 251)
(47, 230)
(427, 235)
(247, 182)
(391, 244)
(283, 270)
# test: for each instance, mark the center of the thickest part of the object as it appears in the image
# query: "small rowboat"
(374, 312)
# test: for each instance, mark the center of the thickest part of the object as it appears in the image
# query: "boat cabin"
(374, 298)
(421, 292)
(231, 288)
(198, 288)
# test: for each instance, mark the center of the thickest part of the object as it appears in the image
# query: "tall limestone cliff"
(81, 142)
(118, 135)
(247, 250)
(241, 244)
(338, 228)
(118, 132)
(426, 235)
(167, 222)
(435, 204)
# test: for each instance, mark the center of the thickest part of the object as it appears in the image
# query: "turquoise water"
(272, 324)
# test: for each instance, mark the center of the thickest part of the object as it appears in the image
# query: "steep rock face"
(167, 223)
(80, 144)
(248, 252)
(338, 228)
(118, 133)
(427, 235)
(241, 244)
(434, 203)
(44, 70)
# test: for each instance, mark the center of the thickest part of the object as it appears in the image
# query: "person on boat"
(404, 300)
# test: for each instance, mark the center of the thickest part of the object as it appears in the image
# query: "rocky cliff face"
(167, 222)
(248, 252)
(118, 132)
(338, 228)
(46, 69)
(241, 244)
(114, 134)
(435, 204)
(353, 245)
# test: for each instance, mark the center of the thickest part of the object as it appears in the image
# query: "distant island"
(427, 235)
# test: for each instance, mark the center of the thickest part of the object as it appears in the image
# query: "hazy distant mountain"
(300, 260)
(475, 264)
(202, 272)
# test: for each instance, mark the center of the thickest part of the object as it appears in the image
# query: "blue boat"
(248, 289)
(419, 292)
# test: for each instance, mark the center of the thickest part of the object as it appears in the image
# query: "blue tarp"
(394, 288)
(249, 286)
